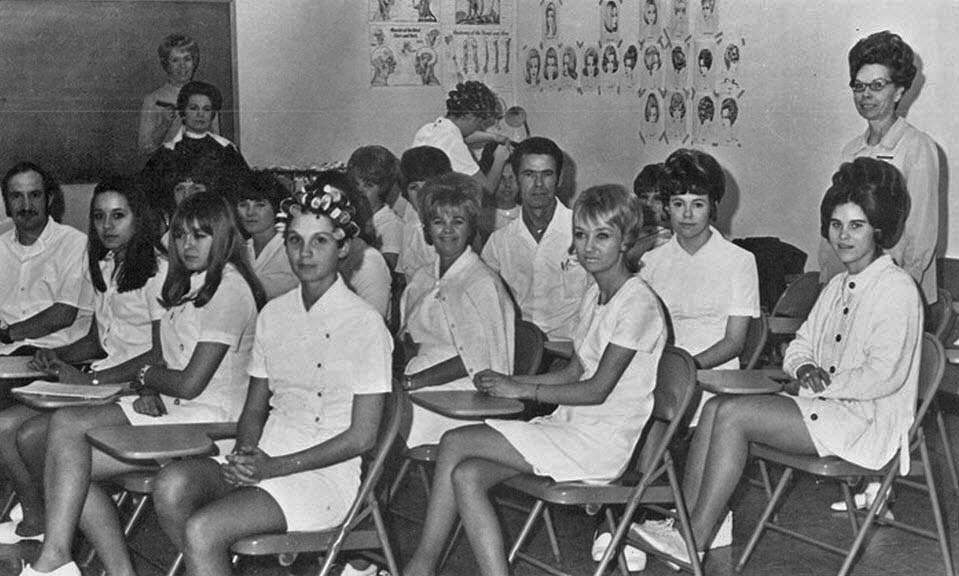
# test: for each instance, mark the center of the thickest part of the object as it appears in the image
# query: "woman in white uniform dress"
(318, 379)
(605, 394)
(855, 362)
(211, 298)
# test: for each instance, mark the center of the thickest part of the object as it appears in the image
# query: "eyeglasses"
(877, 85)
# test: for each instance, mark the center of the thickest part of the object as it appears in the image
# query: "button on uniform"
(814, 417)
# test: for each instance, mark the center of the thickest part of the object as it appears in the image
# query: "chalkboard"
(73, 74)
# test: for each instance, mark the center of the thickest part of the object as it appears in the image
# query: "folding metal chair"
(940, 320)
(527, 357)
(792, 308)
(931, 369)
(675, 393)
(347, 536)
(755, 342)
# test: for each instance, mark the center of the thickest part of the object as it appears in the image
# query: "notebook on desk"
(41, 388)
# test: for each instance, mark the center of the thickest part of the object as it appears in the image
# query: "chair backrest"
(675, 385)
(799, 297)
(528, 353)
(931, 368)
(755, 342)
(940, 316)
(375, 463)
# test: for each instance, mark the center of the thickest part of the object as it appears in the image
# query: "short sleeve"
(372, 281)
(153, 290)
(257, 365)
(224, 318)
(74, 287)
(390, 229)
(373, 350)
(639, 320)
(745, 288)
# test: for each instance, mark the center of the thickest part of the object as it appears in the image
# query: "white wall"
(304, 98)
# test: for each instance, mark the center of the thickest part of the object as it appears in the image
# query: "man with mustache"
(46, 298)
(532, 253)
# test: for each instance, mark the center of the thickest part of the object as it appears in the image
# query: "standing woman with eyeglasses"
(881, 72)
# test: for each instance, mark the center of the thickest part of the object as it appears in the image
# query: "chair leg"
(861, 534)
(683, 514)
(767, 481)
(525, 532)
(850, 506)
(451, 545)
(936, 507)
(947, 449)
(384, 537)
(621, 556)
(178, 562)
(400, 476)
(767, 513)
(551, 534)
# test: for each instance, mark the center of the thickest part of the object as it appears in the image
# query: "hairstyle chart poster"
(442, 43)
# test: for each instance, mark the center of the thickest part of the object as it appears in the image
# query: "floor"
(889, 552)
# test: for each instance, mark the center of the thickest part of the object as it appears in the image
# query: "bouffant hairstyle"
(195, 87)
(421, 163)
(451, 190)
(889, 50)
(691, 171)
(875, 186)
(177, 42)
(374, 164)
(471, 97)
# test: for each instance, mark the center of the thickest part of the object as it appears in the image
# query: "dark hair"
(212, 214)
(875, 186)
(731, 105)
(678, 57)
(453, 190)
(537, 145)
(691, 171)
(259, 186)
(374, 164)
(706, 107)
(422, 163)
(614, 204)
(706, 58)
(139, 262)
(56, 206)
(177, 42)
(650, 179)
(471, 97)
(196, 87)
(889, 50)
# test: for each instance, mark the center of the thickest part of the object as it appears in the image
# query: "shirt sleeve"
(224, 318)
(745, 288)
(491, 252)
(640, 322)
(74, 287)
(374, 348)
(921, 232)
(372, 281)
(153, 290)
(391, 234)
(257, 365)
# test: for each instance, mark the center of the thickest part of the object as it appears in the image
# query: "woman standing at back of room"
(159, 121)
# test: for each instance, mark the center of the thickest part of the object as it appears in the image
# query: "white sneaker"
(8, 533)
(635, 558)
(723, 537)
(669, 542)
(864, 500)
(16, 513)
(349, 570)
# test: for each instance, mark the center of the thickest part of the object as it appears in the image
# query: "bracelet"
(141, 381)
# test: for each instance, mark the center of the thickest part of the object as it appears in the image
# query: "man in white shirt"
(532, 253)
(45, 301)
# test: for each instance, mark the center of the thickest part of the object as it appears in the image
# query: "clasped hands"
(496, 384)
(246, 466)
(810, 377)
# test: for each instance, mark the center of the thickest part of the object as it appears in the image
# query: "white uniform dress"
(125, 319)
(317, 361)
(272, 267)
(596, 442)
(702, 290)
(389, 228)
(228, 318)
(865, 330)
(466, 313)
